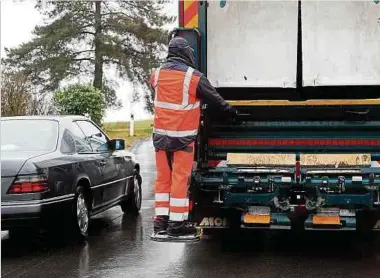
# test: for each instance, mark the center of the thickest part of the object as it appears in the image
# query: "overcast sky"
(18, 20)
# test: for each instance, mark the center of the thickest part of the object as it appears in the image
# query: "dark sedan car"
(63, 169)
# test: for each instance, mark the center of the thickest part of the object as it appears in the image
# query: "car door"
(87, 161)
(113, 181)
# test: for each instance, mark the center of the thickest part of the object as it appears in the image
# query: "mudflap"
(164, 237)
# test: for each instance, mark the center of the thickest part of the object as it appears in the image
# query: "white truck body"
(254, 43)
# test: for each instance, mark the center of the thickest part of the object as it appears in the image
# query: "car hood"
(12, 162)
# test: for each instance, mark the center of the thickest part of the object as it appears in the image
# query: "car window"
(81, 144)
(68, 143)
(29, 135)
(94, 136)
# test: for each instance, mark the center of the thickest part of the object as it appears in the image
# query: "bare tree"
(18, 97)
(14, 96)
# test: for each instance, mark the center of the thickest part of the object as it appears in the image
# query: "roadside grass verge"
(120, 130)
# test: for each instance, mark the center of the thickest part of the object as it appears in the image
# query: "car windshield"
(29, 135)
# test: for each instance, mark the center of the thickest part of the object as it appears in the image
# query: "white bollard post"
(131, 126)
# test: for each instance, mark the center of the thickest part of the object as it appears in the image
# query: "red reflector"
(298, 169)
(190, 205)
(29, 184)
(213, 163)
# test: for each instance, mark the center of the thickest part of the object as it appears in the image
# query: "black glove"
(232, 112)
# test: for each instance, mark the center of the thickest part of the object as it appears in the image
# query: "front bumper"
(17, 214)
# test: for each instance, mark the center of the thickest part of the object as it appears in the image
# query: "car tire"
(81, 214)
(134, 199)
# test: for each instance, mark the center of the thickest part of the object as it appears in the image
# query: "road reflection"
(119, 246)
(84, 259)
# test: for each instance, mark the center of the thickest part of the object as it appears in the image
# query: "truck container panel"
(340, 43)
(252, 43)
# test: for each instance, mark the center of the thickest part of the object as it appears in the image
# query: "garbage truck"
(304, 150)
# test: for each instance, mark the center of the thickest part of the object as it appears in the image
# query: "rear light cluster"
(29, 184)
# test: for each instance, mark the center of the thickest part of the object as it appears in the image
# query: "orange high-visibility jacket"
(176, 107)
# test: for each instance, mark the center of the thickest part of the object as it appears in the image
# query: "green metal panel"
(280, 219)
(348, 199)
(245, 199)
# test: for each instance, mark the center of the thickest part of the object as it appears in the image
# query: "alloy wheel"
(82, 214)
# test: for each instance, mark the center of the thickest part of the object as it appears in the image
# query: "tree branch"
(87, 32)
(83, 51)
(108, 8)
(83, 59)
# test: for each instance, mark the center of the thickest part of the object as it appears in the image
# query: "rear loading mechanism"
(286, 196)
(274, 173)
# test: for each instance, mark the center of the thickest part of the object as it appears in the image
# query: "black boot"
(160, 223)
(181, 228)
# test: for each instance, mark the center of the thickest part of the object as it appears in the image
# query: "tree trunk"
(98, 74)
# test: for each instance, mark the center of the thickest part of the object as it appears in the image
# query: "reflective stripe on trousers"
(161, 203)
(173, 183)
(176, 216)
(177, 134)
(179, 209)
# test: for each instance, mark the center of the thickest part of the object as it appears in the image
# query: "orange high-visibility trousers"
(171, 186)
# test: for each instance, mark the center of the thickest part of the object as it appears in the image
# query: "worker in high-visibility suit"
(179, 88)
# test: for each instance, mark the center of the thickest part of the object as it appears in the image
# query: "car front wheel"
(81, 217)
(133, 202)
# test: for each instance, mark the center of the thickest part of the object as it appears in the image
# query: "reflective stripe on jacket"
(176, 108)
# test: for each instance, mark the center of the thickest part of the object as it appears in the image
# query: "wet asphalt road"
(119, 246)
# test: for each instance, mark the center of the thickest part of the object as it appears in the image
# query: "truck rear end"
(305, 147)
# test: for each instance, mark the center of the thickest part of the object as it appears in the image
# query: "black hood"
(181, 51)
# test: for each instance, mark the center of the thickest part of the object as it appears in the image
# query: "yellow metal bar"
(314, 102)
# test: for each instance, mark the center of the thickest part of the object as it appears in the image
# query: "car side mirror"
(117, 144)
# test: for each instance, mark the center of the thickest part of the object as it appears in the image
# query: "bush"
(81, 100)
